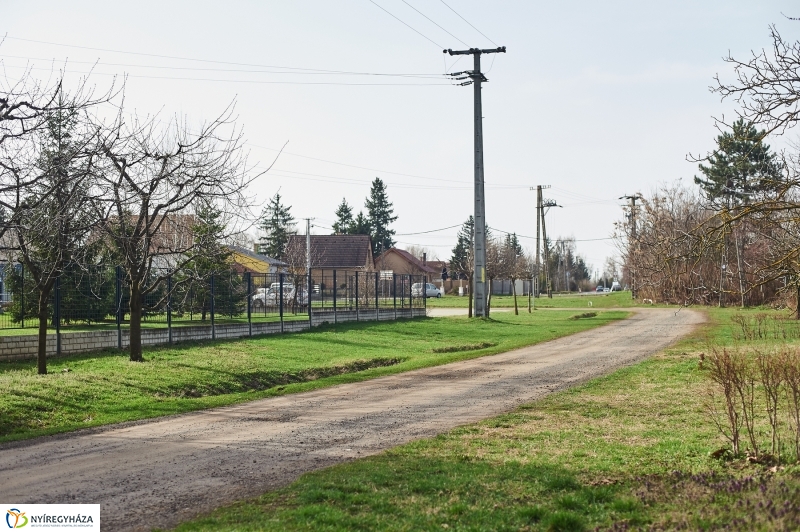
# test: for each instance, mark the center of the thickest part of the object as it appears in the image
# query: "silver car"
(430, 290)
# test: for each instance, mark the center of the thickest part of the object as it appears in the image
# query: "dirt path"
(159, 473)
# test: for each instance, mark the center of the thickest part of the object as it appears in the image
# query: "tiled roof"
(256, 256)
(408, 257)
(333, 251)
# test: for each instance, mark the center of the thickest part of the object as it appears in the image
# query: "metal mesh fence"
(100, 297)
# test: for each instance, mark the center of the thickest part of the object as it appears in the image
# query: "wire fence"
(99, 298)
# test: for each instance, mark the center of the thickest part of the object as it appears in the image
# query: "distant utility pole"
(308, 245)
(476, 77)
(632, 242)
(538, 233)
(546, 204)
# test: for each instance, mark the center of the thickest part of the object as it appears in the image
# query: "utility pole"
(476, 77)
(546, 204)
(539, 221)
(632, 242)
(308, 246)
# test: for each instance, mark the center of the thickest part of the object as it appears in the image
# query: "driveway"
(162, 472)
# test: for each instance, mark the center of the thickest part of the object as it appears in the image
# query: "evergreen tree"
(461, 262)
(512, 243)
(741, 165)
(379, 215)
(210, 256)
(278, 225)
(361, 226)
(344, 218)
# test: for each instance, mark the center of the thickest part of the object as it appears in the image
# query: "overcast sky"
(597, 99)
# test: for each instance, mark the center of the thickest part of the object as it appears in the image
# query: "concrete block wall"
(25, 347)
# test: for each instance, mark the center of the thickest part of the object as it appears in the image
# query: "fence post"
(394, 293)
(334, 297)
(213, 328)
(356, 296)
(118, 302)
(425, 293)
(22, 297)
(249, 303)
(280, 296)
(377, 310)
(58, 314)
(308, 294)
(169, 308)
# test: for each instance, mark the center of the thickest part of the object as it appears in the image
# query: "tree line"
(278, 224)
(86, 185)
(733, 236)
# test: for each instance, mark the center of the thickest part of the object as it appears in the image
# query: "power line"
(257, 82)
(407, 25)
(467, 21)
(463, 183)
(179, 58)
(437, 25)
(296, 71)
(431, 231)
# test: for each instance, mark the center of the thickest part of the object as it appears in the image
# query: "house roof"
(408, 257)
(254, 261)
(333, 251)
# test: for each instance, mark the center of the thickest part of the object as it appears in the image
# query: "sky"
(597, 100)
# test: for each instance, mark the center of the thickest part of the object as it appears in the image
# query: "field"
(633, 450)
(104, 387)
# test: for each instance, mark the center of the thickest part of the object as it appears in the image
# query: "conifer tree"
(361, 225)
(379, 215)
(344, 218)
(742, 165)
(278, 225)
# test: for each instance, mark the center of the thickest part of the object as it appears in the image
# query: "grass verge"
(104, 387)
(609, 300)
(627, 451)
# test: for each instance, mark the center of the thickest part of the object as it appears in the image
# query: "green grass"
(104, 387)
(626, 451)
(609, 300)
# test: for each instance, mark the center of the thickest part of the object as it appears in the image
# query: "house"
(331, 252)
(401, 262)
(245, 260)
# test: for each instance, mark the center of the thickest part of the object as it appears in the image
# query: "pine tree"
(360, 226)
(461, 263)
(278, 225)
(344, 218)
(741, 165)
(379, 215)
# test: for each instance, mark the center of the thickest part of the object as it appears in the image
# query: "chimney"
(424, 259)
(255, 247)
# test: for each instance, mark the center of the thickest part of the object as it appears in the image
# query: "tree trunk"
(41, 355)
(514, 291)
(471, 297)
(797, 310)
(136, 323)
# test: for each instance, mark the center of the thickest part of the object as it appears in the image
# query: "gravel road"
(162, 472)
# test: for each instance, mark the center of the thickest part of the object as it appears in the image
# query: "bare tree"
(767, 86)
(51, 215)
(155, 174)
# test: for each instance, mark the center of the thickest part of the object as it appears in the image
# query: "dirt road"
(159, 473)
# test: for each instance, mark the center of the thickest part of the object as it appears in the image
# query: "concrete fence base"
(25, 347)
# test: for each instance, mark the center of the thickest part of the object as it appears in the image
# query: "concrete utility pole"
(539, 221)
(476, 77)
(308, 245)
(546, 204)
(632, 241)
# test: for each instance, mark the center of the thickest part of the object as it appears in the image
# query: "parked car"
(430, 290)
(600, 289)
(269, 297)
